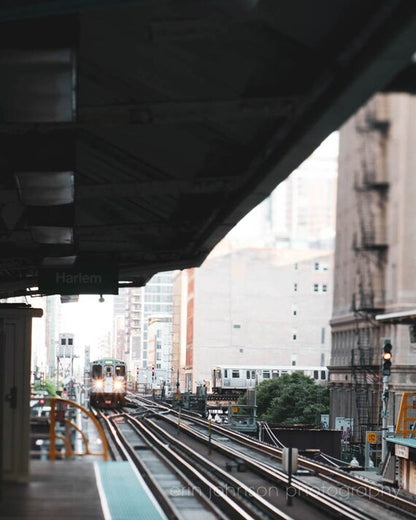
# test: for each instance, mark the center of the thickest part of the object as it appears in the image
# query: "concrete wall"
(247, 311)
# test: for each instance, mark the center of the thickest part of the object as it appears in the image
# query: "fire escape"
(370, 249)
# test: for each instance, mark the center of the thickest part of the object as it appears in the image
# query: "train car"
(233, 379)
(108, 382)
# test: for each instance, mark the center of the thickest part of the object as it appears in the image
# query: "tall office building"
(134, 310)
(375, 256)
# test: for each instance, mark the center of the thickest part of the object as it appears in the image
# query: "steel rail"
(204, 475)
(128, 454)
(305, 491)
(373, 491)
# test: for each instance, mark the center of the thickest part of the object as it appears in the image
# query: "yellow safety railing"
(406, 419)
(58, 414)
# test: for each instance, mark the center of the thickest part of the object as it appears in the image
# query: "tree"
(291, 399)
(47, 385)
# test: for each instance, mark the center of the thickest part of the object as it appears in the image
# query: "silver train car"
(231, 379)
(108, 382)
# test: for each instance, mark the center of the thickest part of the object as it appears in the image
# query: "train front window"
(108, 371)
(323, 374)
(120, 370)
(217, 373)
(315, 374)
(97, 371)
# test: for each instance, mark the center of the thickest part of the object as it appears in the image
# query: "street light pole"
(386, 370)
(384, 417)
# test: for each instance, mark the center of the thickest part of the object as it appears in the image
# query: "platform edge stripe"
(101, 493)
(151, 496)
(127, 493)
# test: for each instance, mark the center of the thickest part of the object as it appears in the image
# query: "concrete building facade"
(256, 307)
(375, 258)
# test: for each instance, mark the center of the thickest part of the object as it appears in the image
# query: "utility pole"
(384, 417)
(386, 369)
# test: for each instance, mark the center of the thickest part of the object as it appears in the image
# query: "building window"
(294, 310)
(316, 266)
(294, 335)
(296, 265)
(293, 361)
(323, 335)
(324, 287)
(295, 287)
(315, 287)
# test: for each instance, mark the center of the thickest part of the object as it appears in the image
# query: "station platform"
(72, 490)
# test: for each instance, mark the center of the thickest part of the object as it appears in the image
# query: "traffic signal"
(153, 371)
(387, 355)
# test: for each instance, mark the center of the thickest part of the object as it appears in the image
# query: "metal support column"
(384, 417)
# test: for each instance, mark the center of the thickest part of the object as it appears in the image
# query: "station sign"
(80, 279)
(371, 437)
(401, 451)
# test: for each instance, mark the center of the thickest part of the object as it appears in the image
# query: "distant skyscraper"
(52, 327)
(133, 308)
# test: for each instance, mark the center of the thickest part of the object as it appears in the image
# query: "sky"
(86, 317)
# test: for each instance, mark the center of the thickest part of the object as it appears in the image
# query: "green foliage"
(291, 399)
(45, 385)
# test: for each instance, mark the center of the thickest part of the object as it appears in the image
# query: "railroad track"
(201, 482)
(329, 481)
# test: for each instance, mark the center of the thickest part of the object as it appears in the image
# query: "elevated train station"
(134, 134)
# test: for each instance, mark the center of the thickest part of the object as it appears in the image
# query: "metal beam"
(23, 9)
(160, 113)
(226, 110)
(119, 230)
(164, 187)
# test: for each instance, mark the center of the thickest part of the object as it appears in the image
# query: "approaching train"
(108, 382)
(231, 379)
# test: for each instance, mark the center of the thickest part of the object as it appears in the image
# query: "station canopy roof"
(407, 317)
(135, 134)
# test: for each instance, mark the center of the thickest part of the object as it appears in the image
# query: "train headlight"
(118, 386)
(98, 384)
